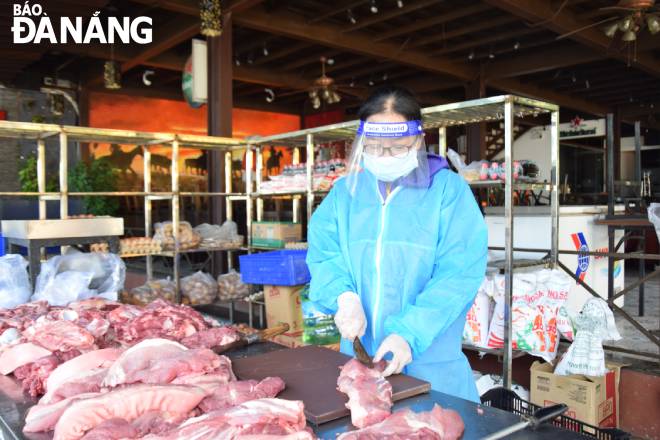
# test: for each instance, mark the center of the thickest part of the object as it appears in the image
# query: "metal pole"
(508, 240)
(296, 200)
(260, 165)
(442, 141)
(638, 155)
(41, 177)
(64, 173)
(610, 164)
(554, 180)
(146, 159)
(175, 216)
(228, 186)
(248, 191)
(310, 175)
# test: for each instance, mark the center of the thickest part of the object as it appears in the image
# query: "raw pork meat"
(161, 319)
(213, 337)
(257, 419)
(33, 375)
(112, 429)
(235, 393)
(369, 393)
(140, 357)
(59, 335)
(23, 316)
(89, 381)
(437, 424)
(78, 366)
(19, 355)
(162, 361)
(41, 418)
(173, 401)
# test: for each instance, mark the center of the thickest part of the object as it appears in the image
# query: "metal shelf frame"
(40, 132)
(497, 108)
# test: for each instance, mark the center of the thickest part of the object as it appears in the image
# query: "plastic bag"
(654, 217)
(477, 319)
(77, 275)
(557, 322)
(496, 328)
(199, 288)
(153, 290)
(593, 325)
(15, 286)
(218, 236)
(231, 287)
(188, 239)
(472, 172)
(318, 323)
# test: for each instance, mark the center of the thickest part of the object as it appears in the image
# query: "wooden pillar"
(476, 133)
(220, 105)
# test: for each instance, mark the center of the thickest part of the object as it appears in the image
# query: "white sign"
(199, 71)
(31, 24)
(579, 128)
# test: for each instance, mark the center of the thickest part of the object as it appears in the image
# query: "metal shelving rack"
(440, 117)
(41, 132)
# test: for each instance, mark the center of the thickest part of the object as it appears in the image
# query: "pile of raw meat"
(370, 403)
(110, 371)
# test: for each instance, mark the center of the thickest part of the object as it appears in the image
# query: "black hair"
(397, 99)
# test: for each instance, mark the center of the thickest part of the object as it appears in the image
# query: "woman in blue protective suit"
(397, 250)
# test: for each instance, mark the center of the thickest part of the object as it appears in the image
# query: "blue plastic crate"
(278, 268)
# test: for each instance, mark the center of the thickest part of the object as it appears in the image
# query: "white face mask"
(388, 168)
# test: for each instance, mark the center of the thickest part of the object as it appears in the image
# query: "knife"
(253, 338)
(361, 354)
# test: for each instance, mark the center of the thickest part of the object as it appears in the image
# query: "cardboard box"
(275, 234)
(593, 400)
(288, 341)
(283, 306)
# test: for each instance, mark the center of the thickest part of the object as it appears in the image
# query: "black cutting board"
(310, 374)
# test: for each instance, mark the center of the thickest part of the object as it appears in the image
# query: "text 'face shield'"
(394, 152)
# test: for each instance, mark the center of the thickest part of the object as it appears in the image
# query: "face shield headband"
(392, 152)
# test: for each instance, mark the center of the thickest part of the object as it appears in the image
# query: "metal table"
(14, 405)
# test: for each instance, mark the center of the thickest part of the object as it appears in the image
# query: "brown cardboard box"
(593, 400)
(288, 341)
(275, 234)
(283, 306)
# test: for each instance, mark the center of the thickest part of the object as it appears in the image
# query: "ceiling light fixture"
(516, 46)
(629, 36)
(351, 17)
(265, 51)
(399, 3)
(653, 23)
(586, 84)
(270, 95)
(471, 56)
(491, 55)
(374, 7)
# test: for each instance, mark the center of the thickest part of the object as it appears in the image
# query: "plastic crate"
(278, 268)
(507, 400)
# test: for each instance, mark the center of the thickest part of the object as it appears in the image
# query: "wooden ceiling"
(437, 48)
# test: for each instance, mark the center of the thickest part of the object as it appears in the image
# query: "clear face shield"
(393, 152)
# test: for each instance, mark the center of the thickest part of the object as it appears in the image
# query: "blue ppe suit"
(416, 259)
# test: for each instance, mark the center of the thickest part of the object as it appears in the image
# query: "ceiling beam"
(541, 61)
(532, 91)
(392, 13)
(461, 30)
(191, 7)
(169, 36)
(546, 14)
(337, 10)
(494, 37)
(282, 53)
(435, 20)
(292, 26)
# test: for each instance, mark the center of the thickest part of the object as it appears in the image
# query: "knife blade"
(361, 354)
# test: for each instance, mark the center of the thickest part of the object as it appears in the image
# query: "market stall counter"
(479, 420)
